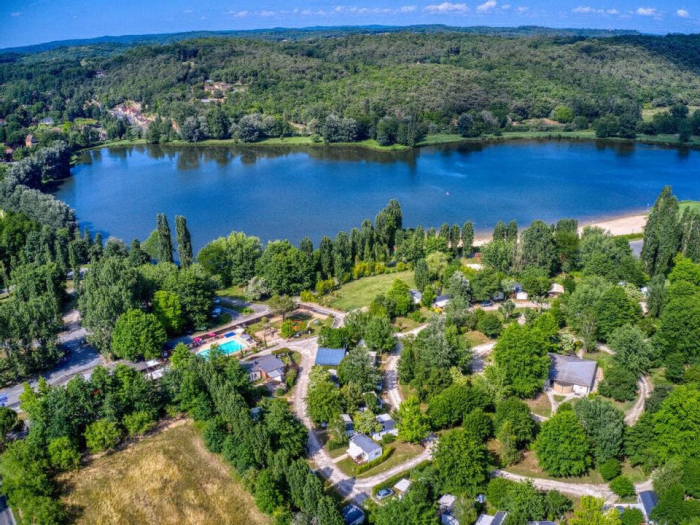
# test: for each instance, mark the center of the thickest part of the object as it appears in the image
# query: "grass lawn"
(540, 405)
(693, 205)
(169, 478)
(603, 359)
(658, 377)
(475, 338)
(405, 324)
(648, 113)
(357, 294)
(402, 452)
(233, 292)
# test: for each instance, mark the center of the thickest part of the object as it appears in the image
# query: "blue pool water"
(228, 348)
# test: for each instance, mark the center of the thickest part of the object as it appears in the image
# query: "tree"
(538, 247)
(168, 311)
(562, 446)
(604, 425)
(232, 258)
(507, 444)
(184, 241)
(461, 463)
(379, 335)
(102, 435)
(516, 414)
(138, 335)
(357, 366)
(287, 432)
(522, 354)
(165, 240)
(268, 496)
(615, 309)
(450, 406)
(420, 274)
(323, 402)
(286, 269)
(622, 486)
(413, 424)
(281, 305)
(610, 469)
(619, 383)
(138, 423)
(400, 295)
(632, 350)
(467, 238)
(195, 289)
(490, 325)
(498, 255)
(591, 513)
(563, 114)
(677, 424)
(366, 423)
(63, 454)
(661, 233)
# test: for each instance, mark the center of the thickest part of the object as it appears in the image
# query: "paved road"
(6, 516)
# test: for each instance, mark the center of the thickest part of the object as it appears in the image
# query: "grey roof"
(649, 500)
(366, 444)
(388, 424)
(572, 370)
(267, 364)
(330, 356)
(352, 513)
(442, 297)
(499, 518)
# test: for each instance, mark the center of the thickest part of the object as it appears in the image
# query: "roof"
(352, 513)
(346, 418)
(499, 518)
(267, 363)
(330, 356)
(403, 485)
(417, 296)
(649, 500)
(572, 370)
(386, 421)
(556, 288)
(364, 443)
(446, 501)
(442, 297)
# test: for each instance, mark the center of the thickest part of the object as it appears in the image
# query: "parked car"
(216, 312)
(384, 493)
(486, 303)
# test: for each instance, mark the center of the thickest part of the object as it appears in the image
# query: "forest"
(394, 87)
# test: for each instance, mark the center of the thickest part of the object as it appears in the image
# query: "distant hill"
(281, 33)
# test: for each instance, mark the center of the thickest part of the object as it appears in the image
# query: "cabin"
(329, 356)
(446, 505)
(353, 515)
(441, 302)
(363, 450)
(402, 487)
(556, 290)
(521, 296)
(388, 427)
(486, 519)
(416, 296)
(571, 375)
(349, 425)
(266, 368)
(648, 500)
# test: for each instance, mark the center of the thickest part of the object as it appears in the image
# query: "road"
(6, 516)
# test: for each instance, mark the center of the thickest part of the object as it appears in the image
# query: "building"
(446, 504)
(353, 515)
(402, 486)
(30, 141)
(648, 500)
(441, 302)
(417, 296)
(571, 374)
(556, 290)
(486, 519)
(362, 449)
(268, 367)
(521, 296)
(329, 356)
(388, 427)
(48, 121)
(349, 425)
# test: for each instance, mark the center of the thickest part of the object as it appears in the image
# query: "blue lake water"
(290, 192)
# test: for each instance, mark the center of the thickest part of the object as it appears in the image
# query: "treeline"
(392, 87)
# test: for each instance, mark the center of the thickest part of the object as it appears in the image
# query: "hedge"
(360, 469)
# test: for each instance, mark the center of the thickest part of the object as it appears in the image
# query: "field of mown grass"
(169, 478)
(357, 294)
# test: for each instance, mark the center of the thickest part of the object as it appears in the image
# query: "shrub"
(622, 486)
(102, 435)
(490, 325)
(360, 469)
(388, 438)
(610, 469)
(619, 384)
(138, 423)
(214, 434)
(632, 517)
(291, 377)
(287, 329)
(63, 454)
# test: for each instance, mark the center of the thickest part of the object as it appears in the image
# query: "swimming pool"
(227, 348)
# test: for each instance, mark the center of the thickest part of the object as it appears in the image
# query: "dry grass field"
(168, 478)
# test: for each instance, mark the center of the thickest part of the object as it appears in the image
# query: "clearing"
(168, 478)
(357, 294)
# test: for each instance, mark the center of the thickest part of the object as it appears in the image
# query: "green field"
(693, 205)
(357, 294)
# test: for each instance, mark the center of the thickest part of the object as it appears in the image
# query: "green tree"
(268, 496)
(400, 296)
(184, 241)
(413, 424)
(281, 305)
(357, 366)
(538, 248)
(461, 463)
(632, 350)
(563, 114)
(615, 309)
(420, 274)
(287, 432)
(467, 237)
(232, 258)
(562, 446)
(138, 335)
(517, 415)
(379, 335)
(165, 240)
(138, 423)
(661, 233)
(619, 383)
(366, 423)
(323, 402)
(604, 425)
(622, 486)
(285, 268)
(591, 513)
(168, 311)
(677, 424)
(63, 454)
(102, 435)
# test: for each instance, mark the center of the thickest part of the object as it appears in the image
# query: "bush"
(619, 384)
(291, 377)
(388, 439)
(490, 325)
(610, 469)
(360, 469)
(632, 517)
(63, 454)
(214, 434)
(334, 444)
(287, 329)
(138, 423)
(102, 435)
(622, 486)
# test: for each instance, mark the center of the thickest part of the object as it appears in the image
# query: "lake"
(289, 192)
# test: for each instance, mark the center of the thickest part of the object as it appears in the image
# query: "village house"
(388, 427)
(571, 375)
(556, 290)
(265, 368)
(329, 356)
(486, 519)
(363, 450)
(648, 500)
(446, 505)
(417, 296)
(402, 487)
(353, 515)
(441, 302)
(349, 425)
(30, 141)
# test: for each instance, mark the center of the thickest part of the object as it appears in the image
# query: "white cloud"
(16, 14)
(407, 9)
(238, 14)
(188, 11)
(592, 10)
(683, 13)
(486, 6)
(267, 13)
(505, 6)
(447, 7)
(522, 9)
(647, 11)
(374, 10)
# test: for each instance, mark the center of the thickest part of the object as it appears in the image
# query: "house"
(388, 427)
(349, 425)
(486, 519)
(441, 302)
(556, 290)
(446, 504)
(362, 449)
(417, 296)
(402, 486)
(353, 515)
(571, 374)
(47, 121)
(268, 367)
(517, 287)
(30, 141)
(521, 296)
(498, 296)
(648, 500)
(329, 356)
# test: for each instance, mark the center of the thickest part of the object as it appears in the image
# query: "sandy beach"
(618, 226)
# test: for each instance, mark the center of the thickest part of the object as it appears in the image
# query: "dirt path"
(634, 413)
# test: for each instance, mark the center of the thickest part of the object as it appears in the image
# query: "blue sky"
(24, 22)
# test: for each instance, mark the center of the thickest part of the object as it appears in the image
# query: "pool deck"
(223, 340)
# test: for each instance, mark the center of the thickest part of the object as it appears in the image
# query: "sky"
(25, 22)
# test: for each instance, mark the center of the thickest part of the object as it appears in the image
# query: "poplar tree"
(467, 237)
(165, 241)
(184, 241)
(662, 234)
